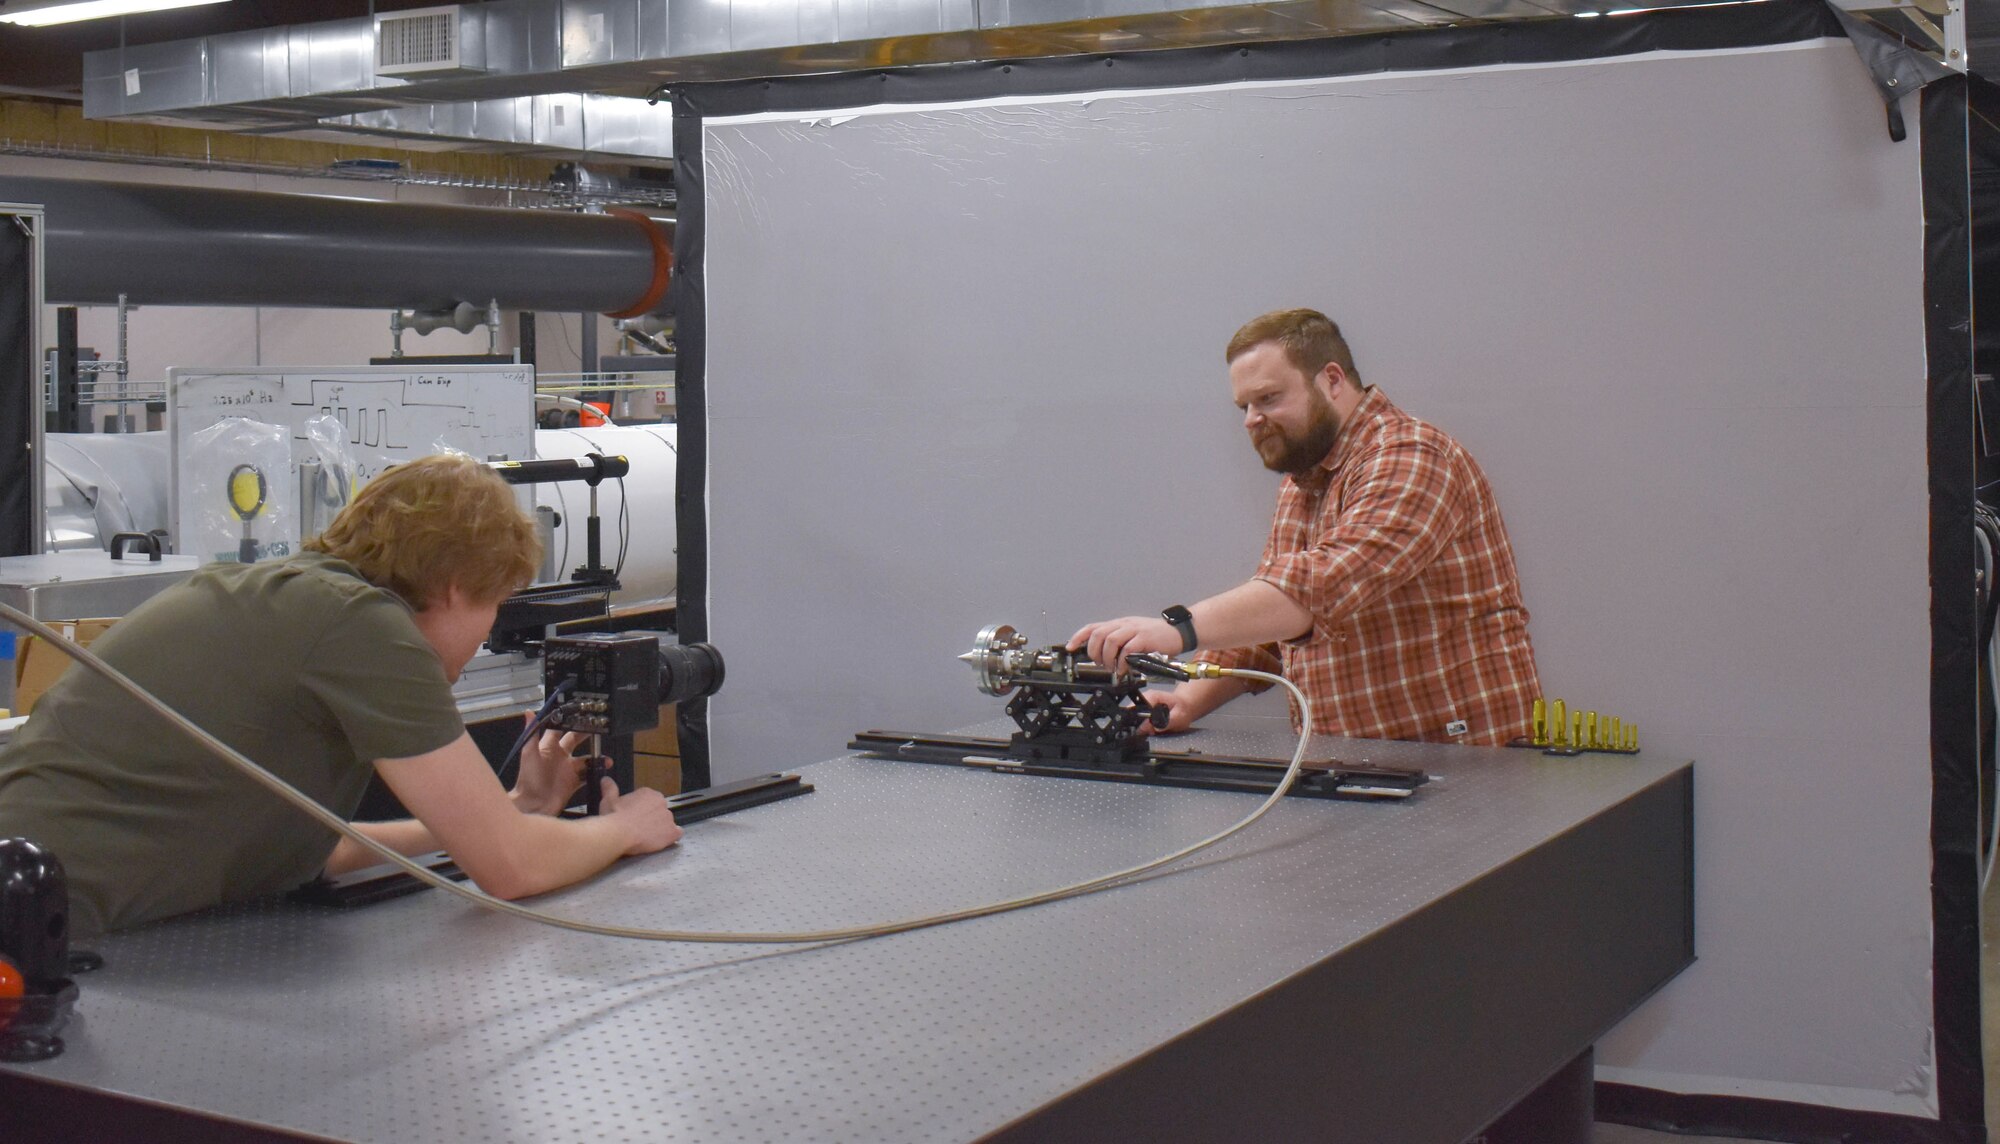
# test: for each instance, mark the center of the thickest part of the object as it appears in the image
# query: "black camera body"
(614, 683)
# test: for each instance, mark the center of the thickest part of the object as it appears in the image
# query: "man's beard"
(1283, 453)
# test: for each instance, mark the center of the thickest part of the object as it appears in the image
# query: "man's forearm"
(1247, 615)
(1251, 613)
(1202, 696)
(555, 851)
(551, 853)
(404, 836)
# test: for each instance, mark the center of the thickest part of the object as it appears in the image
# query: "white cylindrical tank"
(646, 496)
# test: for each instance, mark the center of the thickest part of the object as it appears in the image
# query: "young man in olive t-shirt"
(323, 668)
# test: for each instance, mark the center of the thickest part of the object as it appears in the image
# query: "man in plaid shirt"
(1387, 590)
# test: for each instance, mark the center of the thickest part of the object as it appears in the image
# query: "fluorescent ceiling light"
(38, 13)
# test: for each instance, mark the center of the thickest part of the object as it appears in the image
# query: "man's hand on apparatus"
(1180, 713)
(644, 813)
(1109, 641)
(551, 770)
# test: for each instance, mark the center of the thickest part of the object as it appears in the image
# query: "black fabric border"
(1740, 1116)
(1955, 906)
(18, 409)
(689, 304)
(1428, 49)
(1955, 747)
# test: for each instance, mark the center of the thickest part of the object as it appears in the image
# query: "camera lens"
(689, 671)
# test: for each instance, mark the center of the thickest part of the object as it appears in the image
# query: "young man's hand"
(550, 772)
(644, 813)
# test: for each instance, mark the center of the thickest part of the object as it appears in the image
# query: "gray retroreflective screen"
(964, 367)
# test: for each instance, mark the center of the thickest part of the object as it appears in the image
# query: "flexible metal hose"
(305, 802)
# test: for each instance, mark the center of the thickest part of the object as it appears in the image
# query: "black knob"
(34, 914)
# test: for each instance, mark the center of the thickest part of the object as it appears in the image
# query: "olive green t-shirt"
(300, 664)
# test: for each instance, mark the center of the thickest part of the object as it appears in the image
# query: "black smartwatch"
(1183, 622)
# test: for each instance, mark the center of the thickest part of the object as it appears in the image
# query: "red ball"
(12, 987)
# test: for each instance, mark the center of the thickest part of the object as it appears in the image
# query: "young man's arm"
(550, 773)
(460, 808)
(404, 836)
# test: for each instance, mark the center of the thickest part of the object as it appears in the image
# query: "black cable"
(649, 341)
(1986, 553)
(1157, 666)
(624, 527)
(511, 764)
(562, 566)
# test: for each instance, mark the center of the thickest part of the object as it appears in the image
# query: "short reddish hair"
(432, 523)
(1309, 338)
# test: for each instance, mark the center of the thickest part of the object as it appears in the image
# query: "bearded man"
(1387, 589)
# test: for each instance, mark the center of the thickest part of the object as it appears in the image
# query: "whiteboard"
(392, 414)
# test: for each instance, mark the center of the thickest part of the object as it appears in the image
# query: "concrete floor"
(1989, 992)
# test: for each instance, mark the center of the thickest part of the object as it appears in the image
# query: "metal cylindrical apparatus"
(637, 510)
(195, 246)
(118, 482)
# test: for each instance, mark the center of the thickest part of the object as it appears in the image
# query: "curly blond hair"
(427, 525)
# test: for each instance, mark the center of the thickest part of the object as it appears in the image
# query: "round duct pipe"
(193, 246)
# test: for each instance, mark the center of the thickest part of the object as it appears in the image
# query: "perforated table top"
(426, 1019)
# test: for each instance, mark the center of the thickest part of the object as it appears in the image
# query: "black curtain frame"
(688, 298)
(17, 388)
(1948, 318)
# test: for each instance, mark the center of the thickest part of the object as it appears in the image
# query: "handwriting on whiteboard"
(389, 414)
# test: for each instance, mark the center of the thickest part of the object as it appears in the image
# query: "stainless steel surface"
(494, 685)
(578, 124)
(305, 78)
(100, 484)
(86, 584)
(163, 245)
(995, 653)
(425, 1020)
(439, 41)
(1002, 658)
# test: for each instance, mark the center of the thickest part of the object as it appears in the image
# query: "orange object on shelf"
(12, 988)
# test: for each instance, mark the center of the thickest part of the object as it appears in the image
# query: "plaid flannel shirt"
(1394, 543)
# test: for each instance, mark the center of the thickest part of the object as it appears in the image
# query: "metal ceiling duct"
(597, 127)
(320, 77)
(193, 246)
(277, 79)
